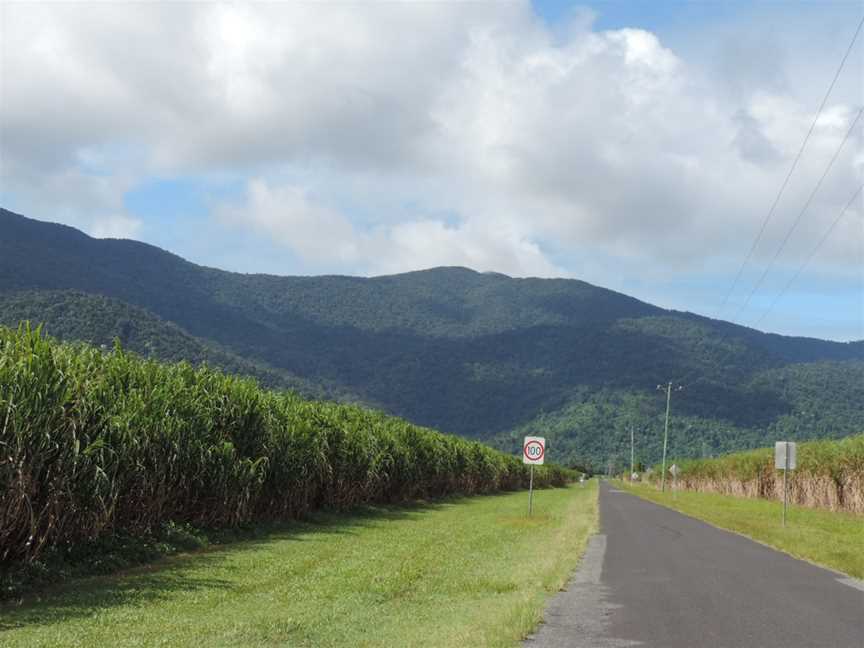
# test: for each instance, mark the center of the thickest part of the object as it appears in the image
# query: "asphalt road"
(654, 577)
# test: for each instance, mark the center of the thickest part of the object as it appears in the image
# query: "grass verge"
(827, 538)
(467, 572)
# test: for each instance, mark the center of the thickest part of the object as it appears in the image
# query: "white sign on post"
(533, 450)
(781, 449)
(784, 459)
(674, 470)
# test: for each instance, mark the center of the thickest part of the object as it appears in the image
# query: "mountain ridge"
(480, 354)
(8, 218)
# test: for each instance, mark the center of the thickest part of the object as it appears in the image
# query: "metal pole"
(531, 492)
(632, 465)
(785, 491)
(666, 437)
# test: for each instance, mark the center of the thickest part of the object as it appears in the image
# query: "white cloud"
(325, 238)
(355, 126)
(115, 226)
(428, 243)
(287, 214)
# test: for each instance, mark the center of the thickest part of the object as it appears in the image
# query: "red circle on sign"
(533, 443)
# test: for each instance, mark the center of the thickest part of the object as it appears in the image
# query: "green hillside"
(477, 354)
(596, 424)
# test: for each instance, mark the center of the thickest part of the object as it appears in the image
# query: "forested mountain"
(99, 320)
(483, 355)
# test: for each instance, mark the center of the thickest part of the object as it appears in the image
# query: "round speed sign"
(533, 450)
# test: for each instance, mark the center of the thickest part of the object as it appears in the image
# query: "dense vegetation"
(95, 442)
(829, 474)
(823, 399)
(481, 355)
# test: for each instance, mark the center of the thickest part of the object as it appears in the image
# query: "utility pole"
(666, 431)
(665, 437)
(632, 463)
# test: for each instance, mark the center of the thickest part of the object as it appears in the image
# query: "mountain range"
(482, 355)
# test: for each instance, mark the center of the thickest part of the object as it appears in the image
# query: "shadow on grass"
(188, 573)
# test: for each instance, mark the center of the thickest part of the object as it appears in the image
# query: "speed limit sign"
(533, 450)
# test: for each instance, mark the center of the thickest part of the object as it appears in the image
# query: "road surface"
(654, 577)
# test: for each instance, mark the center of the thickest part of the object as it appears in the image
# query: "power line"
(800, 214)
(804, 265)
(789, 174)
(773, 208)
(725, 335)
(731, 324)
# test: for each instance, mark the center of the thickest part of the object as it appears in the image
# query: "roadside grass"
(831, 539)
(463, 572)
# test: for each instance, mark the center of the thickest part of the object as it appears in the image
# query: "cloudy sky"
(635, 145)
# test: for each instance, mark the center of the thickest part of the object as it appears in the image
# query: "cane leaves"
(95, 441)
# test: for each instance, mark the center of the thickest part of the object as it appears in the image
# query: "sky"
(635, 145)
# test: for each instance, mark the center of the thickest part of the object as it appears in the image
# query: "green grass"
(466, 572)
(832, 539)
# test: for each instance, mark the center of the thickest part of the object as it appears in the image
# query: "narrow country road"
(654, 577)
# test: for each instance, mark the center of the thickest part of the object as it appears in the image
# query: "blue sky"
(662, 18)
(635, 145)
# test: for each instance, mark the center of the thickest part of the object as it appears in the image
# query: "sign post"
(533, 452)
(785, 456)
(674, 470)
